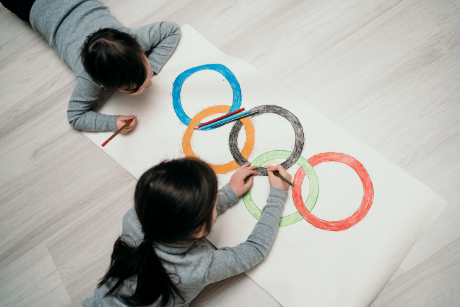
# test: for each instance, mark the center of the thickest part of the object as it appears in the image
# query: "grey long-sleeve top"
(197, 263)
(66, 24)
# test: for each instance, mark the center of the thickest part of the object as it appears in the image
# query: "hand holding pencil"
(127, 123)
(121, 121)
(276, 181)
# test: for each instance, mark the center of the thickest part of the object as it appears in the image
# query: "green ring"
(312, 195)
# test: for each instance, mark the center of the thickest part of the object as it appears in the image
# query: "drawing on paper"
(292, 157)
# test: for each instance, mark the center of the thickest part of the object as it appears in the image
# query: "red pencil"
(118, 131)
(219, 118)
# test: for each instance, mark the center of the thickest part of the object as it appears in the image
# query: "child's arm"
(225, 198)
(85, 94)
(232, 191)
(230, 261)
(158, 40)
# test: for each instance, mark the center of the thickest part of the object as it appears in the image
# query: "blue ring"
(224, 71)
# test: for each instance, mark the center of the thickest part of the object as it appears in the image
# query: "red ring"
(368, 195)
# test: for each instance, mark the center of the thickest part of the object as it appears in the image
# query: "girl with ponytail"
(159, 259)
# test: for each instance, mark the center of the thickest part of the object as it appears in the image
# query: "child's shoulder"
(202, 252)
(132, 227)
(130, 217)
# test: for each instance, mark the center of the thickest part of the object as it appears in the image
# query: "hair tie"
(147, 240)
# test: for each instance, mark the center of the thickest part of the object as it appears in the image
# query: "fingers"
(278, 168)
(242, 180)
(127, 129)
(133, 124)
(278, 182)
(122, 121)
(248, 171)
(248, 164)
(249, 182)
(125, 118)
(245, 166)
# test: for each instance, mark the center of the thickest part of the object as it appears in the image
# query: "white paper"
(306, 266)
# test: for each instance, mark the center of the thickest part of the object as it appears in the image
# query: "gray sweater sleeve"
(79, 114)
(158, 40)
(225, 198)
(230, 261)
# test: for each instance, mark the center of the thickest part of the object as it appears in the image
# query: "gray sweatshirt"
(197, 263)
(67, 23)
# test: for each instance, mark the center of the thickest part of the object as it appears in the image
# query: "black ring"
(298, 130)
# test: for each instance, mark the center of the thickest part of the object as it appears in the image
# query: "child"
(102, 53)
(159, 259)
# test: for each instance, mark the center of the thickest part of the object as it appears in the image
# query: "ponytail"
(153, 282)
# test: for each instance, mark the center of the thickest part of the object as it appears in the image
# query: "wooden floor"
(388, 71)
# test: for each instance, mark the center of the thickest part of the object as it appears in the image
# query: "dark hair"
(172, 200)
(114, 59)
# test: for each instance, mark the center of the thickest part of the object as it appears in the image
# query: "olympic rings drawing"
(177, 88)
(292, 157)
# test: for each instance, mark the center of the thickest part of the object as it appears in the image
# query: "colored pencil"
(207, 127)
(219, 118)
(118, 131)
(277, 174)
(234, 119)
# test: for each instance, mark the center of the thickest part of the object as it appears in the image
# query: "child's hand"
(121, 120)
(237, 181)
(275, 181)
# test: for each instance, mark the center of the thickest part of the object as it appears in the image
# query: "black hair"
(172, 200)
(114, 59)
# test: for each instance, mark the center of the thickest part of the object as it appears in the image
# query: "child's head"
(175, 200)
(115, 60)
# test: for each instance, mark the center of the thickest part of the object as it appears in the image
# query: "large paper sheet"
(307, 266)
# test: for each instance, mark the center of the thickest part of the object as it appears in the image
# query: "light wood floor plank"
(82, 248)
(434, 282)
(226, 291)
(33, 280)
